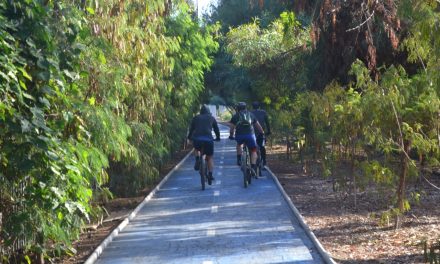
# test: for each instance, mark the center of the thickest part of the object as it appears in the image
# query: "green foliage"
(391, 117)
(233, 13)
(269, 54)
(234, 83)
(95, 95)
(44, 146)
(385, 128)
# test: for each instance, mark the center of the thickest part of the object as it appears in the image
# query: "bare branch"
(429, 181)
(363, 23)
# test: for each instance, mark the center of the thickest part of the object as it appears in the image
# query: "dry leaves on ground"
(356, 236)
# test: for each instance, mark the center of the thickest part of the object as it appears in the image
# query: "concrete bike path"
(226, 223)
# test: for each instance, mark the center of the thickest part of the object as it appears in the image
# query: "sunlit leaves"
(272, 55)
(91, 94)
(394, 117)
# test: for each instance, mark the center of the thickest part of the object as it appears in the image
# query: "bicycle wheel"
(202, 171)
(249, 168)
(259, 166)
(208, 179)
(244, 167)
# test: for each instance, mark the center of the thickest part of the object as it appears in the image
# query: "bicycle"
(246, 166)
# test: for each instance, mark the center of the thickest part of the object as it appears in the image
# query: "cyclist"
(200, 133)
(263, 119)
(242, 125)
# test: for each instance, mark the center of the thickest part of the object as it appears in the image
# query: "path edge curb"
(324, 254)
(98, 250)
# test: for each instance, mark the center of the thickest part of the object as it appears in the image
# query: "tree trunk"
(353, 176)
(288, 148)
(402, 183)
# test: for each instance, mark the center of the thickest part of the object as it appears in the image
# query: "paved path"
(226, 223)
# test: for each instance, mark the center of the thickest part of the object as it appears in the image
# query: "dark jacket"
(263, 119)
(202, 126)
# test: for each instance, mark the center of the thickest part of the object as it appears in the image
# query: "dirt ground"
(355, 236)
(349, 235)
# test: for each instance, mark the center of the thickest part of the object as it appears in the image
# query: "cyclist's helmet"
(256, 105)
(241, 106)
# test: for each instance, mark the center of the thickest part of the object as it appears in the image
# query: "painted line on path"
(210, 232)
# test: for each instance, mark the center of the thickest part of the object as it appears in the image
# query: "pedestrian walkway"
(226, 223)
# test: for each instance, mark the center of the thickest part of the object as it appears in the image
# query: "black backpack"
(244, 119)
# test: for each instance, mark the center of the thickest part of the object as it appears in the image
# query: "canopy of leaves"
(225, 79)
(269, 54)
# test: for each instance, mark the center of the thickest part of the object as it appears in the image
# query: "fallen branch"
(431, 183)
(117, 218)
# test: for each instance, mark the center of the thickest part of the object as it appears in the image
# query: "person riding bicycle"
(263, 119)
(242, 125)
(200, 133)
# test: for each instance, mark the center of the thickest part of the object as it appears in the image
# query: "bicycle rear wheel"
(244, 167)
(202, 171)
(259, 166)
(249, 167)
(208, 179)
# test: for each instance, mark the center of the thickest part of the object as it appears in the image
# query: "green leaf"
(72, 75)
(102, 58)
(28, 96)
(44, 101)
(22, 85)
(25, 125)
(25, 74)
(58, 193)
(55, 170)
(70, 206)
(43, 76)
(92, 101)
(90, 10)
